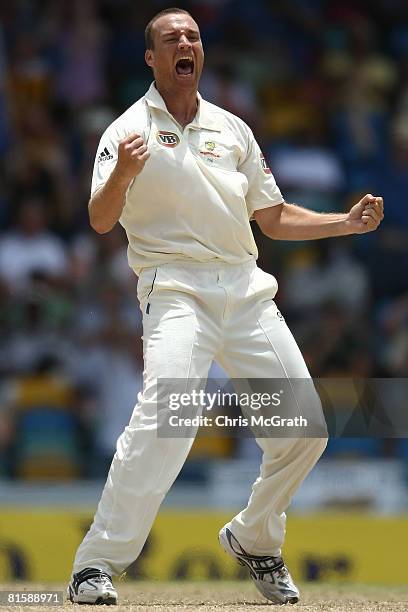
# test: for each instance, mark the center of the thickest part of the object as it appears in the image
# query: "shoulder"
(133, 119)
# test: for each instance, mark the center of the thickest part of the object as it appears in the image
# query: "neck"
(181, 104)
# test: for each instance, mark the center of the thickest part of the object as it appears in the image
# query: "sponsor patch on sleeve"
(105, 155)
(264, 165)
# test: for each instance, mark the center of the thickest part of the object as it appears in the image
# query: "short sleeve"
(263, 191)
(105, 160)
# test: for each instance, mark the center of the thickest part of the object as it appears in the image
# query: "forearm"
(106, 205)
(297, 223)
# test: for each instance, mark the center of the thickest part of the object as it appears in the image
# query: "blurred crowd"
(324, 86)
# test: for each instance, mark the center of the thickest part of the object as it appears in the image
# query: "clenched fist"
(132, 156)
(366, 215)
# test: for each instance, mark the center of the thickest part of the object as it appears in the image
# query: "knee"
(317, 446)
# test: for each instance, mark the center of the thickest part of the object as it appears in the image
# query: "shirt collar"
(204, 119)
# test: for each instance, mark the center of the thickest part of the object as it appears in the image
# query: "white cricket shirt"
(198, 190)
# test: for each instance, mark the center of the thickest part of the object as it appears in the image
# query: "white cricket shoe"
(270, 575)
(92, 586)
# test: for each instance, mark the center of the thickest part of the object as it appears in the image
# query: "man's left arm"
(292, 222)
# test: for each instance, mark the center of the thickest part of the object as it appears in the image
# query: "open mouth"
(185, 66)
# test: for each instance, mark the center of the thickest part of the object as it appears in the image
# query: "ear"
(149, 58)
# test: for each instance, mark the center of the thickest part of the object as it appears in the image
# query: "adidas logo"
(105, 155)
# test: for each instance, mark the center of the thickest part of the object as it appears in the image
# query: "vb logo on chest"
(167, 139)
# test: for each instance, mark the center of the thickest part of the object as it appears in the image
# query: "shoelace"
(102, 579)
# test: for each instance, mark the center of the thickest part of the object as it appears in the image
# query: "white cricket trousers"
(194, 313)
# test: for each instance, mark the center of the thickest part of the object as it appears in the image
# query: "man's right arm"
(106, 205)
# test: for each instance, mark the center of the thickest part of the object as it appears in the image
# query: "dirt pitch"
(229, 597)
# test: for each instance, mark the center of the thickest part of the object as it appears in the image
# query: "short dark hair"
(168, 11)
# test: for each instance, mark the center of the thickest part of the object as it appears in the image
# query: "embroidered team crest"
(265, 166)
(167, 139)
(210, 150)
